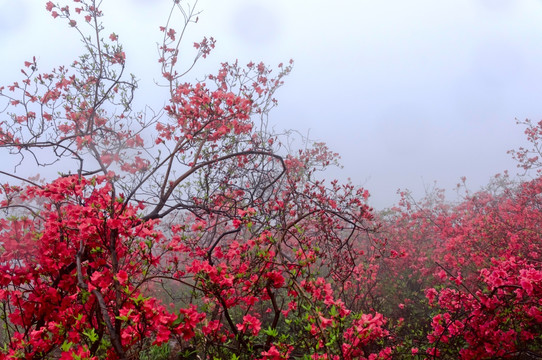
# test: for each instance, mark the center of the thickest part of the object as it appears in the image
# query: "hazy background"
(408, 92)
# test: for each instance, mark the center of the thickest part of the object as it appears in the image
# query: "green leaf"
(91, 334)
(271, 332)
(66, 346)
(97, 249)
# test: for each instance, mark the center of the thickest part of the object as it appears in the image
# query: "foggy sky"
(408, 92)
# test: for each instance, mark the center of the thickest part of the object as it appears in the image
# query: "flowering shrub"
(478, 264)
(502, 321)
(194, 229)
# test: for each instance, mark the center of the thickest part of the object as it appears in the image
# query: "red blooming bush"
(192, 230)
(504, 320)
(473, 286)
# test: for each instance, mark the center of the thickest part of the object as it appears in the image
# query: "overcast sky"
(408, 92)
